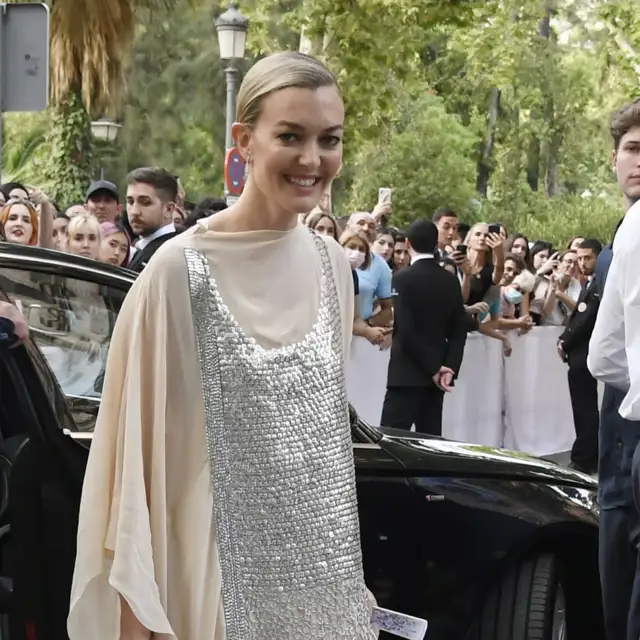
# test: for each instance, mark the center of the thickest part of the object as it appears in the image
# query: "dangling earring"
(246, 167)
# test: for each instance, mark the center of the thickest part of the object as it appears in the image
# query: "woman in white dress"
(219, 500)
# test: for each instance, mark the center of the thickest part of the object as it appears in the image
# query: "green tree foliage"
(68, 167)
(25, 147)
(426, 156)
(516, 131)
(175, 111)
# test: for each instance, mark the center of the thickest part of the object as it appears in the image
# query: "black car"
(485, 544)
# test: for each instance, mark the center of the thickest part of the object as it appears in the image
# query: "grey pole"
(231, 75)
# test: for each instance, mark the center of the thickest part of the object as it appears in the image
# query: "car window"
(71, 320)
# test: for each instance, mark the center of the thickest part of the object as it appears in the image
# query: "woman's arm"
(549, 301)
(525, 305)
(384, 318)
(360, 328)
(494, 240)
(487, 329)
(569, 302)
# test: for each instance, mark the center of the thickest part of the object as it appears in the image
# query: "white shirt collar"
(421, 256)
(162, 231)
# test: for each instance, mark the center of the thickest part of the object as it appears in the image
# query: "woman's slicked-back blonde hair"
(274, 73)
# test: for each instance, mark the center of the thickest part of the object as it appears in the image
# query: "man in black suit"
(573, 348)
(429, 334)
(151, 201)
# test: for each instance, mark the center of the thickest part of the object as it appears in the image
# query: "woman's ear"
(242, 136)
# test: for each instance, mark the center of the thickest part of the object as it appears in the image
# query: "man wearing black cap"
(103, 201)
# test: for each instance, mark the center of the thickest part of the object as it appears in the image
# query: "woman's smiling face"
(295, 147)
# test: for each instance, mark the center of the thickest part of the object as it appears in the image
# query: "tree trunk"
(551, 176)
(485, 165)
(68, 168)
(533, 162)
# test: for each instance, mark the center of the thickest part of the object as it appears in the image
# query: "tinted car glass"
(71, 320)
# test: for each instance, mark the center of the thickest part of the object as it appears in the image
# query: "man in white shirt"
(614, 358)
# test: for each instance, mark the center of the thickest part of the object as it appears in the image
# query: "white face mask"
(355, 258)
(513, 296)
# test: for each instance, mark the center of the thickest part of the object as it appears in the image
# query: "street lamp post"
(105, 130)
(232, 29)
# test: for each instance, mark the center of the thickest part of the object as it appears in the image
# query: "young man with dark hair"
(446, 221)
(613, 359)
(573, 346)
(429, 334)
(151, 200)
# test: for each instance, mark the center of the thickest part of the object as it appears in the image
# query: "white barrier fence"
(521, 402)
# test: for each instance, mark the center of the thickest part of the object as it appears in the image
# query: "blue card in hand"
(399, 624)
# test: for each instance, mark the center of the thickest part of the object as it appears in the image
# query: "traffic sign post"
(234, 167)
(24, 59)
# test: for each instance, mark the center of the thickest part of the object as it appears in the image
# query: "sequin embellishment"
(282, 472)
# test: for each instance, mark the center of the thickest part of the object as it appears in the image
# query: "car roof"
(20, 256)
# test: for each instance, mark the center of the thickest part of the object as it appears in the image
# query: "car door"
(71, 311)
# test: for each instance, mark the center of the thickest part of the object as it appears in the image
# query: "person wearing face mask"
(514, 295)
(429, 335)
(358, 253)
(375, 282)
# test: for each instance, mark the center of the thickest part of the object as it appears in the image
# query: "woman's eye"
(288, 137)
(330, 141)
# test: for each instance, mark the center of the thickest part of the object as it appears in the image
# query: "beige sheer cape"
(146, 528)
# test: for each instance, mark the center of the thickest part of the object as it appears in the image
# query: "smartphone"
(462, 249)
(494, 228)
(384, 195)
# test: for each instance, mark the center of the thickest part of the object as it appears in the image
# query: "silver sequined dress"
(282, 472)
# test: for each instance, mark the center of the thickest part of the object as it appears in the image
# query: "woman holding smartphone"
(483, 265)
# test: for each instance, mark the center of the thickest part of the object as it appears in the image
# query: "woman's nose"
(310, 155)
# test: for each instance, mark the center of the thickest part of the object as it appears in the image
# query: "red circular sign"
(234, 172)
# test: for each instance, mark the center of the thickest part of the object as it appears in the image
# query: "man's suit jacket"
(142, 256)
(576, 336)
(430, 324)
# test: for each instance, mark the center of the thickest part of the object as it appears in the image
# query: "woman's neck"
(477, 258)
(252, 213)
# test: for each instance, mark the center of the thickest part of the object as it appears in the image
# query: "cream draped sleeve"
(146, 528)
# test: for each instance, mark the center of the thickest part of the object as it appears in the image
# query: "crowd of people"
(508, 282)
(100, 228)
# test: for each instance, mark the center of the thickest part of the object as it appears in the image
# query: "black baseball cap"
(102, 185)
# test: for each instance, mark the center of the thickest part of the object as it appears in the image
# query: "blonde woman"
(219, 499)
(83, 236)
(484, 264)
